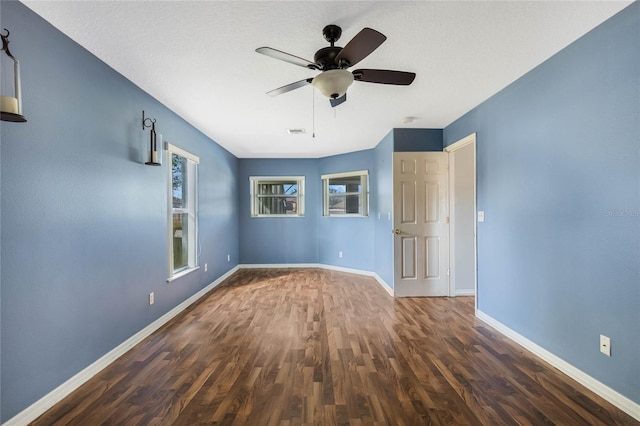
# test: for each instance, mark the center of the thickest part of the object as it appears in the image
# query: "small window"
(183, 212)
(277, 196)
(346, 194)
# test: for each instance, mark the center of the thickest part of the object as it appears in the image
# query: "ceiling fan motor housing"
(325, 57)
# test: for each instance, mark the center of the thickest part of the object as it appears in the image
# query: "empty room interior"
(343, 212)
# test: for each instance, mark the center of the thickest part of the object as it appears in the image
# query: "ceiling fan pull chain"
(313, 113)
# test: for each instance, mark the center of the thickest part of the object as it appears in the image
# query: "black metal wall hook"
(5, 43)
(152, 122)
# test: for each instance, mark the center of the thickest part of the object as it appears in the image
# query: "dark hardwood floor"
(310, 346)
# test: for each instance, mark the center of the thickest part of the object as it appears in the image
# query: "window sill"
(182, 274)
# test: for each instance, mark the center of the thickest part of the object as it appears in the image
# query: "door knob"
(397, 231)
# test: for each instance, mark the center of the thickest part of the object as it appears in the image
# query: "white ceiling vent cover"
(296, 131)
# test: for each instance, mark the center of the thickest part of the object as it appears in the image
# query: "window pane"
(337, 189)
(278, 188)
(345, 184)
(336, 204)
(277, 205)
(180, 233)
(344, 204)
(352, 204)
(179, 181)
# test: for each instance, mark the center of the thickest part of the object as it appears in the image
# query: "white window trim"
(364, 194)
(181, 152)
(345, 174)
(193, 182)
(253, 182)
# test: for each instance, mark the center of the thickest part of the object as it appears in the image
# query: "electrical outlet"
(228, 258)
(206, 267)
(605, 345)
(481, 216)
(339, 254)
(151, 298)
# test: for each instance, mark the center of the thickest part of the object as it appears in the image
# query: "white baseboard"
(39, 407)
(615, 398)
(465, 292)
(278, 265)
(386, 287)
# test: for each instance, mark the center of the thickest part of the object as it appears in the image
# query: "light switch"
(605, 345)
(481, 216)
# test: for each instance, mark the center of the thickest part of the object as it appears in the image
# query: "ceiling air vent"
(296, 131)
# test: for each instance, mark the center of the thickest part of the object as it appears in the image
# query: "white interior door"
(421, 243)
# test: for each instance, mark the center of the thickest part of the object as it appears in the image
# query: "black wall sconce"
(154, 149)
(11, 106)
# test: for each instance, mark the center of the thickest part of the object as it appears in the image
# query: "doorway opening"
(462, 210)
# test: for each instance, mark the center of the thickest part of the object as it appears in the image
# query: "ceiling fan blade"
(335, 102)
(289, 87)
(365, 42)
(287, 57)
(400, 78)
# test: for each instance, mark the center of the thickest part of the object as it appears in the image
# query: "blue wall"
(84, 222)
(312, 238)
(266, 240)
(354, 236)
(418, 140)
(558, 157)
(382, 184)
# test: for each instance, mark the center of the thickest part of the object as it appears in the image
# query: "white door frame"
(470, 139)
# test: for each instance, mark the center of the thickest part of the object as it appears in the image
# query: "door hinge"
(447, 219)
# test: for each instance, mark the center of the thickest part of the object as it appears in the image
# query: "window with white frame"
(346, 194)
(183, 211)
(277, 196)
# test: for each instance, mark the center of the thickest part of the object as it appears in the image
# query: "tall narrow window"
(277, 196)
(183, 212)
(346, 194)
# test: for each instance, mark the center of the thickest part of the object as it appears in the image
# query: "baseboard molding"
(465, 292)
(386, 287)
(39, 407)
(615, 398)
(278, 265)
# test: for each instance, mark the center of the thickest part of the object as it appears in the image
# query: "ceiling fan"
(333, 61)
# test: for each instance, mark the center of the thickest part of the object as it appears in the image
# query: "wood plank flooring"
(319, 347)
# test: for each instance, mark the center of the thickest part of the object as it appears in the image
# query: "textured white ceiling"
(198, 58)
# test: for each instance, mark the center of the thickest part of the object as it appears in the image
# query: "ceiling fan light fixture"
(333, 83)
